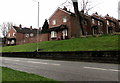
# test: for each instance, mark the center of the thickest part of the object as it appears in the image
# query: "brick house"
(98, 24)
(17, 34)
(62, 25)
(112, 24)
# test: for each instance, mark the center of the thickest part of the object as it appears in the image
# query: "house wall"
(72, 23)
(11, 31)
(58, 16)
(39, 38)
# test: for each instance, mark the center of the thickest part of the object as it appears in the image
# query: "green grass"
(18, 76)
(109, 42)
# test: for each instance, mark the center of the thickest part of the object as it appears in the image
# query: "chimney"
(65, 8)
(20, 26)
(31, 27)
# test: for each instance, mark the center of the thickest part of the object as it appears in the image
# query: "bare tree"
(84, 6)
(5, 27)
(87, 5)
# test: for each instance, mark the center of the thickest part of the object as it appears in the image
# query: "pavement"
(64, 70)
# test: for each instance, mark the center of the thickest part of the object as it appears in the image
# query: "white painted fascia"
(61, 10)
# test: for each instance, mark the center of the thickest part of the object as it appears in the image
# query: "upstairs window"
(99, 23)
(27, 35)
(65, 19)
(108, 22)
(31, 35)
(93, 21)
(14, 34)
(54, 22)
(53, 34)
(9, 35)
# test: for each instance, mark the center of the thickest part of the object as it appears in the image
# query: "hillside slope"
(76, 44)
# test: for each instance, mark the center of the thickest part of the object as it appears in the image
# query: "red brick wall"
(11, 31)
(40, 38)
(72, 23)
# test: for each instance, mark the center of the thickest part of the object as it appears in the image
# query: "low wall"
(89, 56)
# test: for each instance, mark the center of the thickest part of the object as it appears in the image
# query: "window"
(93, 21)
(54, 22)
(13, 34)
(9, 35)
(99, 23)
(65, 19)
(13, 42)
(107, 22)
(8, 42)
(27, 35)
(31, 35)
(53, 34)
(65, 32)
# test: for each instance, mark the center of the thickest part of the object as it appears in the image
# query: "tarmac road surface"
(64, 70)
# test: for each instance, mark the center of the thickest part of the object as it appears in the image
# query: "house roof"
(25, 30)
(68, 12)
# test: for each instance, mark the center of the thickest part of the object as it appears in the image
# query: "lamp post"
(37, 24)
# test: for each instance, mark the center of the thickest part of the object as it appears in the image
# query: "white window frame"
(65, 19)
(54, 22)
(26, 35)
(13, 42)
(8, 42)
(53, 34)
(108, 22)
(9, 35)
(13, 34)
(65, 32)
(98, 22)
(119, 23)
(93, 21)
(31, 35)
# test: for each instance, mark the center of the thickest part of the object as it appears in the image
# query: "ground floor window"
(8, 42)
(110, 30)
(95, 30)
(13, 42)
(65, 33)
(53, 34)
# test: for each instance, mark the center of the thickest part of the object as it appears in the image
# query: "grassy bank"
(18, 76)
(76, 44)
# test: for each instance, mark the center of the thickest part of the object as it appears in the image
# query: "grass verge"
(103, 43)
(10, 75)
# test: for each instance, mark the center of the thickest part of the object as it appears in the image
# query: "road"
(64, 70)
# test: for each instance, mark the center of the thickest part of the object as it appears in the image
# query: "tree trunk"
(79, 16)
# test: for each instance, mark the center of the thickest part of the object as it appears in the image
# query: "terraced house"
(63, 24)
(17, 35)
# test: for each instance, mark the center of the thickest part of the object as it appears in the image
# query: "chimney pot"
(20, 26)
(65, 8)
(31, 27)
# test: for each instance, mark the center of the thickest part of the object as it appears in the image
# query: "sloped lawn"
(102, 43)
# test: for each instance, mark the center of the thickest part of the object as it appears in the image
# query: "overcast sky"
(25, 11)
